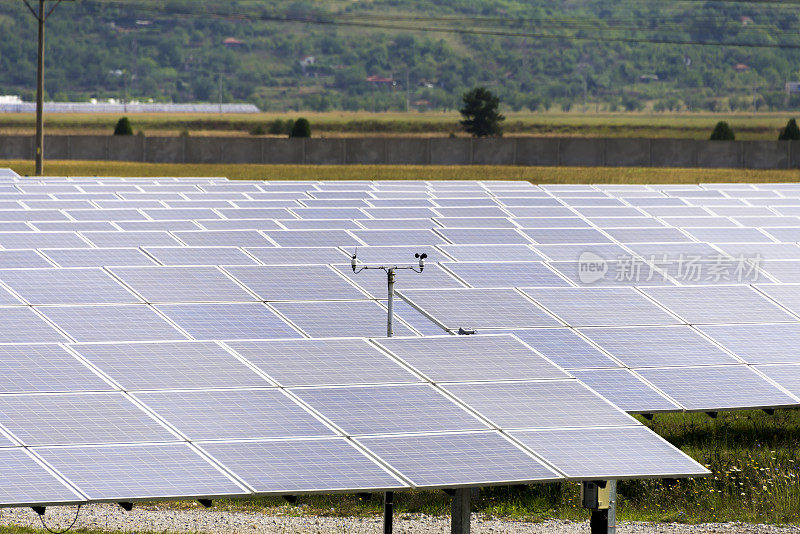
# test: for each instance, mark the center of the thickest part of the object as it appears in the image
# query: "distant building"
(232, 42)
(793, 88)
(745, 20)
(741, 67)
(307, 61)
(380, 80)
(649, 77)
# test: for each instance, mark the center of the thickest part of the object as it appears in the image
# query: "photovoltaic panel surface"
(44, 368)
(170, 365)
(339, 319)
(319, 362)
(295, 282)
(234, 414)
(659, 347)
(478, 308)
(462, 458)
(228, 321)
(365, 410)
(599, 452)
(302, 466)
(66, 286)
(450, 359)
(182, 284)
(25, 481)
(132, 472)
(75, 419)
(625, 390)
(717, 388)
(759, 343)
(540, 404)
(110, 323)
(565, 348)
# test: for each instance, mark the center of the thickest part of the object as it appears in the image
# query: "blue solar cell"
(228, 321)
(510, 274)
(626, 390)
(295, 282)
(65, 286)
(565, 348)
(181, 284)
(339, 319)
(109, 323)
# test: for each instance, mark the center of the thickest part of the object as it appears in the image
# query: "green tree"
(480, 112)
(722, 132)
(791, 132)
(301, 128)
(123, 127)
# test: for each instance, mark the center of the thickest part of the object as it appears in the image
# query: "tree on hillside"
(722, 132)
(480, 112)
(791, 132)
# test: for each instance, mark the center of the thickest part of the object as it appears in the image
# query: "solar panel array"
(199, 337)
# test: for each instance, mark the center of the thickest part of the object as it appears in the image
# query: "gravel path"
(112, 517)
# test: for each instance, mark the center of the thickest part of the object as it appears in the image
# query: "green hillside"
(606, 54)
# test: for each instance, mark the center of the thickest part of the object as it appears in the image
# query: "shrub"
(277, 127)
(301, 128)
(260, 129)
(123, 127)
(722, 132)
(791, 132)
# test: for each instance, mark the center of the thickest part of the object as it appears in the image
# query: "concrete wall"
(525, 151)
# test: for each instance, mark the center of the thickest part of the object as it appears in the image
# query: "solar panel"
(565, 348)
(659, 346)
(76, 419)
(475, 222)
(367, 410)
(239, 224)
(297, 255)
(601, 306)
(786, 376)
(302, 466)
(759, 343)
(599, 453)
(625, 390)
(136, 472)
(125, 239)
(457, 459)
(157, 226)
(295, 282)
(398, 237)
(718, 304)
(44, 369)
(223, 238)
(511, 274)
(32, 240)
(729, 235)
(313, 238)
(320, 362)
(318, 224)
(228, 321)
(234, 414)
(565, 235)
(200, 256)
(453, 359)
(25, 481)
(97, 257)
(762, 251)
(65, 286)
(483, 236)
(107, 215)
(181, 284)
(108, 323)
(339, 319)
(717, 388)
(492, 252)
(540, 404)
(573, 252)
(69, 226)
(478, 308)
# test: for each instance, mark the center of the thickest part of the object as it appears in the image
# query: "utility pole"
(408, 91)
(41, 16)
(219, 78)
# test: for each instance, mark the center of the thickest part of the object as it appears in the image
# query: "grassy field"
(338, 124)
(543, 175)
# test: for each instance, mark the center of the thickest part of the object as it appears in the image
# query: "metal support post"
(604, 516)
(40, 94)
(460, 511)
(612, 507)
(390, 305)
(388, 509)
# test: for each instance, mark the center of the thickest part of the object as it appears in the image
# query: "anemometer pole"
(41, 17)
(388, 497)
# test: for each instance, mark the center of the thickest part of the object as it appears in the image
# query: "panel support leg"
(604, 521)
(388, 510)
(460, 511)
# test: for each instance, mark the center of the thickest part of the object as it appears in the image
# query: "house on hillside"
(380, 80)
(741, 67)
(232, 42)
